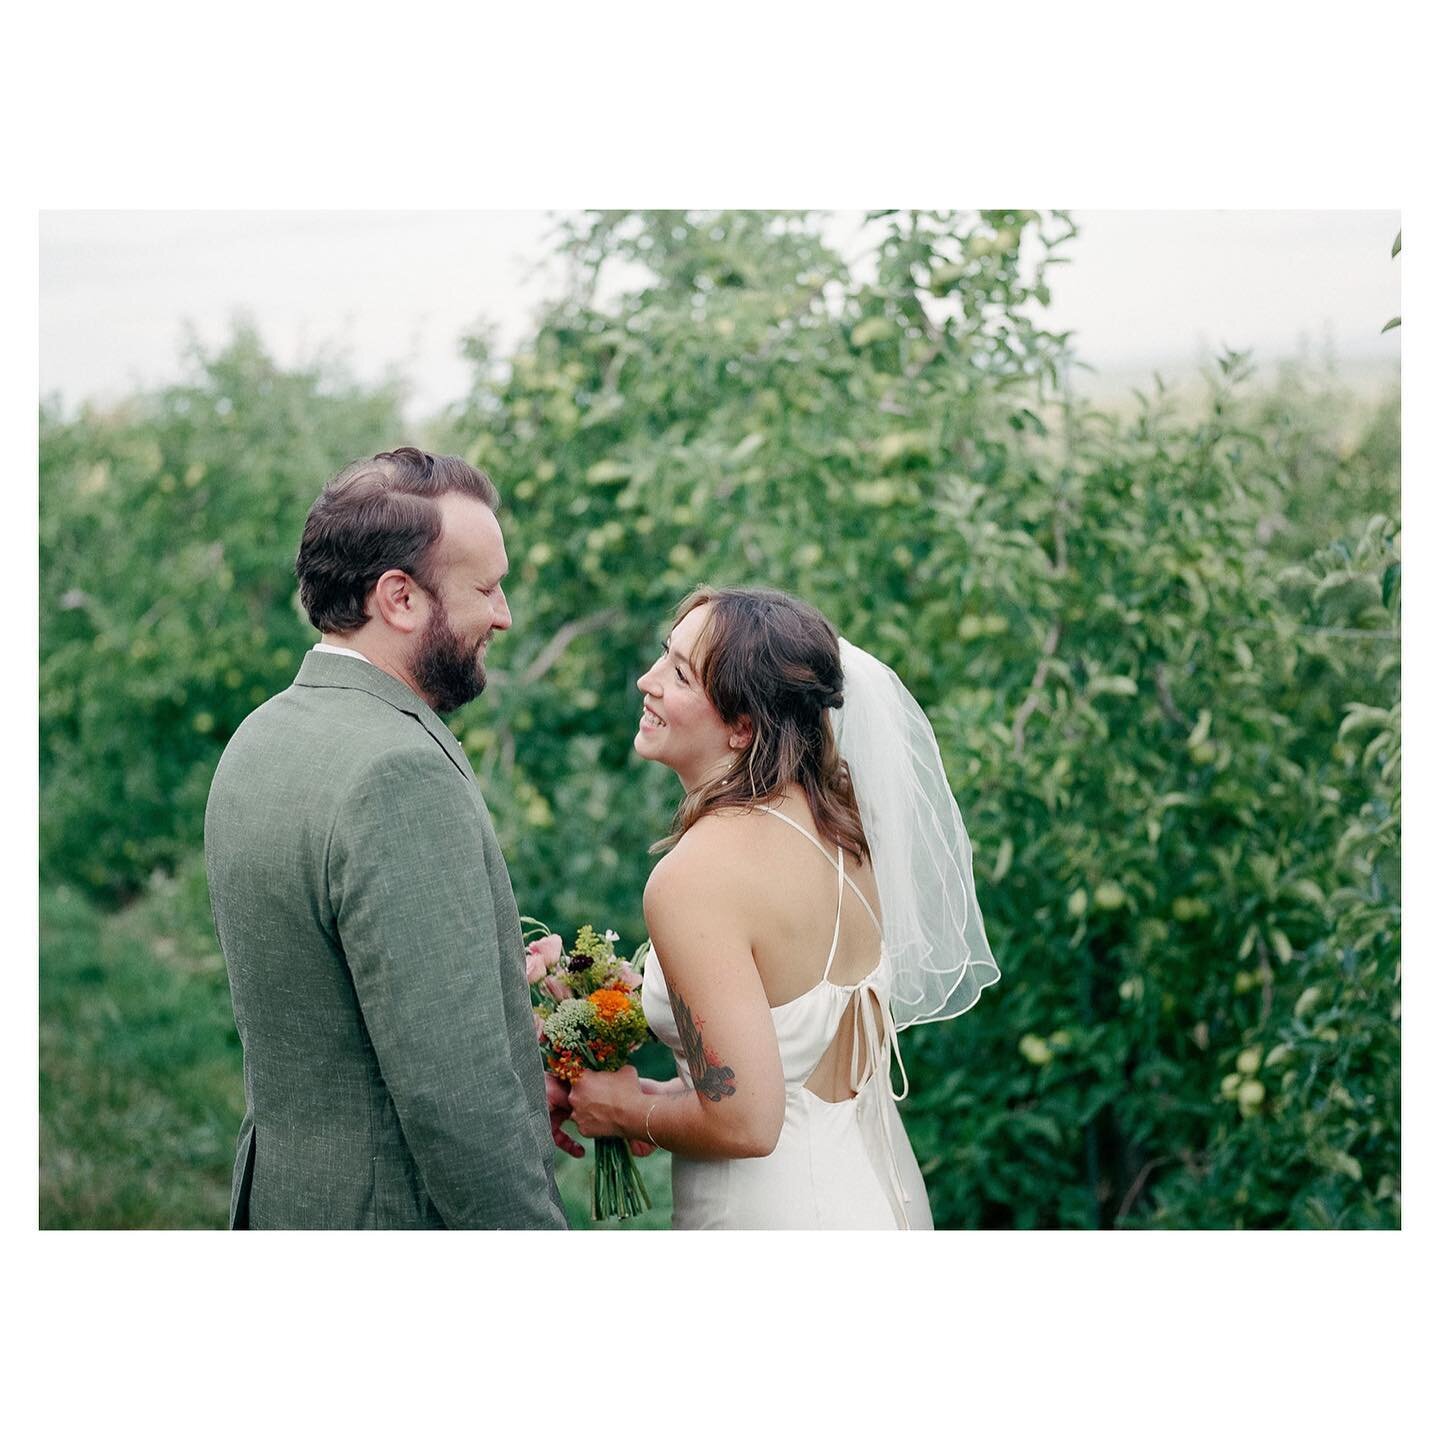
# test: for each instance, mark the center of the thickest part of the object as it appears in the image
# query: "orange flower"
(566, 1064)
(610, 1003)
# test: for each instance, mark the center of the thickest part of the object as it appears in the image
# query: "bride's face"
(679, 727)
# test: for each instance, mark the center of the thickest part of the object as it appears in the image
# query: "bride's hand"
(603, 1101)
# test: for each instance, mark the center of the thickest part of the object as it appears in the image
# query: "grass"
(140, 1087)
(140, 1070)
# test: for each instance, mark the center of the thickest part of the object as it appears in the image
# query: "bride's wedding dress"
(840, 1164)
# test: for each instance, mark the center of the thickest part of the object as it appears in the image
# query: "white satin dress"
(839, 1165)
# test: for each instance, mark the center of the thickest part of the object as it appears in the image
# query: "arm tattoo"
(712, 1079)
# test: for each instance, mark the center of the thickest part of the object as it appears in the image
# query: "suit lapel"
(344, 672)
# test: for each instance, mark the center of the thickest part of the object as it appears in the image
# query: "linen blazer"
(392, 1079)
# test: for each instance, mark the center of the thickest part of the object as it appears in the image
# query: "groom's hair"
(377, 515)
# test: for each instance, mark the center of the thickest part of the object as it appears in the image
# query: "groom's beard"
(447, 669)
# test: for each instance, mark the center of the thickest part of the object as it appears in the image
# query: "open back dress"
(841, 1164)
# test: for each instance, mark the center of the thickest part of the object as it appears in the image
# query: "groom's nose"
(500, 620)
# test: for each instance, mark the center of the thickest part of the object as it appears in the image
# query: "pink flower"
(539, 1025)
(540, 955)
(630, 979)
(555, 986)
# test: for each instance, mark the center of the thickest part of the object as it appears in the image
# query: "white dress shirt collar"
(341, 650)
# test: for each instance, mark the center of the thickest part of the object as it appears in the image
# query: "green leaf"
(902, 445)
(1112, 685)
(872, 331)
(1357, 715)
(1307, 889)
(876, 492)
(606, 472)
(1390, 324)
(1343, 1164)
(1395, 248)
(944, 278)
(1390, 583)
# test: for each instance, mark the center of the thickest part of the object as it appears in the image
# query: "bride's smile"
(679, 726)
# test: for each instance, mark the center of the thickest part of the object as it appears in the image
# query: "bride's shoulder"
(714, 856)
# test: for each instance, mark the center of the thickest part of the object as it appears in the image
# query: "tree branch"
(1032, 699)
(561, 640)
(1167, 700)
(1133, 1193)
(1059, 566)
(1267, 983)
(1057, 529)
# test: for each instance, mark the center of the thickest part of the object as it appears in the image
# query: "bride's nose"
(646, 683)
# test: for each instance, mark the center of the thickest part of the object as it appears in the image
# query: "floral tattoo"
(712, 1079)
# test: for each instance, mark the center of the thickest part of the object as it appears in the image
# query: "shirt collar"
(341, 650)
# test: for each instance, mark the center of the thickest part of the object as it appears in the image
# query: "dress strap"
(839, 900)
(839, 865)
(795, 825)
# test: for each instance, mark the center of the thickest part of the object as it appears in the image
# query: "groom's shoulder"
(346, 728)
(303, 704)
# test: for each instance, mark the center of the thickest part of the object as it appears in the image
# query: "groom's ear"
(398, 601)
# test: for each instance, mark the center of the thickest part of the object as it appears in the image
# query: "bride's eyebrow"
(675, 654)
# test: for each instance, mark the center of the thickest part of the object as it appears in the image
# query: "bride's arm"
(697, 914)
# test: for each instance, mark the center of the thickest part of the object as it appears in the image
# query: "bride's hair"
(765, 656)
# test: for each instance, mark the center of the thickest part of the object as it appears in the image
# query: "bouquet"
(588, 1017)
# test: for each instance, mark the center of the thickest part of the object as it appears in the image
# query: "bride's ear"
(742, 732)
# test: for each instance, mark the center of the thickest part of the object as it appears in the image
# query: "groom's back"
(276, 794)
(310, 1069)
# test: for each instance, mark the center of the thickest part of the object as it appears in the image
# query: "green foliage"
(140, 1088)
(1161, 657)
(167, 601)
(1136, 642)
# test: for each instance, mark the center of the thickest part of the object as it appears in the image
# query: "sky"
(121, 290)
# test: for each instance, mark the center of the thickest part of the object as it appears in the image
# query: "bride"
(816, 898)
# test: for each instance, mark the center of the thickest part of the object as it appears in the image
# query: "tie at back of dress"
(842, 1035)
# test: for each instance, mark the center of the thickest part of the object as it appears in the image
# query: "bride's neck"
(707, 776)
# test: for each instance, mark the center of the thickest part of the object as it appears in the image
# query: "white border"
(1231, 105)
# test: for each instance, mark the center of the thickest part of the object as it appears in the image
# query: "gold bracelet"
(648, 1135)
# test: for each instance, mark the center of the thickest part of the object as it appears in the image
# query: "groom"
(392, 1079)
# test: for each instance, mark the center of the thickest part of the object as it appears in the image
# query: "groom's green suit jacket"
(392, 1079)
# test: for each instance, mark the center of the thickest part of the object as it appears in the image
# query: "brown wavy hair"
(765, 656)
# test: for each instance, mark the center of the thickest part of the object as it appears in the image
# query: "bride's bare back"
(791, 887)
